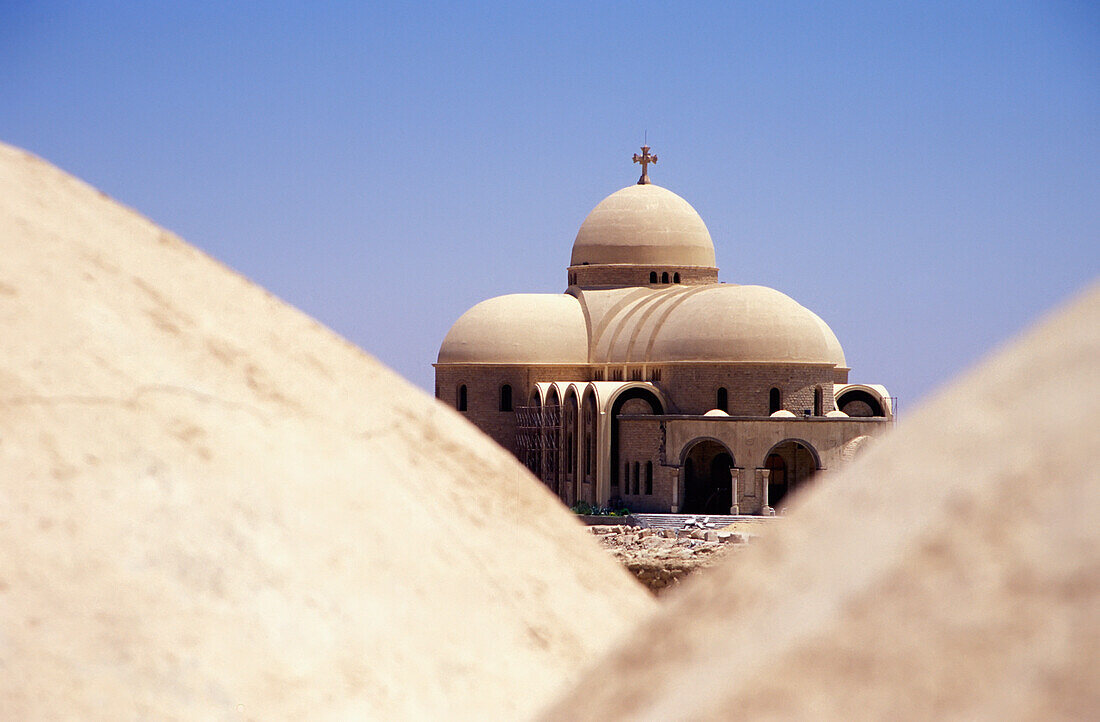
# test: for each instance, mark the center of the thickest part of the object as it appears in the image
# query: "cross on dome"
(645, 159)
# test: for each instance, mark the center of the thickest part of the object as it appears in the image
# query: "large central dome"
(643, 225)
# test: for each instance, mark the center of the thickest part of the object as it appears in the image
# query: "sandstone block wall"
(748, 441)
(483, 384)
(692, 388)
(689, 389)
(640, 443)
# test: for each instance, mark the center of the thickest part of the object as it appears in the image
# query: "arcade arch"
(571, 432)
(629, 396)
(791, 463)
(857, 402)
(706, 479)
(587, 466)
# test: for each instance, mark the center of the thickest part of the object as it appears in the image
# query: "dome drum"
(617, 275)
(641, 226)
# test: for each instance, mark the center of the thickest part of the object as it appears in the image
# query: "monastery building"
(652, 385)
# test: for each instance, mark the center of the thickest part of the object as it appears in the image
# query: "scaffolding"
(539, 441)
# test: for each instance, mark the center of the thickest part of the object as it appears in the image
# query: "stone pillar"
(765, 475)
(676, 492)
(736, 508)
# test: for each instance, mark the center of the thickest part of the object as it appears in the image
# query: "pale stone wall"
(748, 440)
(483, 382)
(640, 443)
(691, 388)
(635, 406)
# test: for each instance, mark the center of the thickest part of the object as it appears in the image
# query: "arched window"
(775, 401)
(819, 400)
(461, 402)
(722, 400)
(664, 277)
(589, 421)
(676, 278)
(506, 397)
(649, 477)
(653, 277)
(858, 402)
(636, 475)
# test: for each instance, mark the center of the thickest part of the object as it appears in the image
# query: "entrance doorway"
(791, 463)
(708, 486)
(636, 400)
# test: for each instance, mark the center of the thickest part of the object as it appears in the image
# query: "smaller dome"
(726, 322)
(520, 328)
(643, 225)
(716, 412)
(837, 414)
(783, 414)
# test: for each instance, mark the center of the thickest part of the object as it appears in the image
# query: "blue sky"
(924, 176)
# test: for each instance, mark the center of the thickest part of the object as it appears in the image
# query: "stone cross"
(645, 159)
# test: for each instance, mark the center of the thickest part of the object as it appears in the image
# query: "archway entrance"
(708, 486)
(791, 463)
(570, 487)
(587, 480)
(858, 402)
(636, 400)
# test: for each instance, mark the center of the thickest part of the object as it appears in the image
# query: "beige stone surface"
(211, 507)
(952, 572)
(643, 225)
(716, 322)
(530, 328)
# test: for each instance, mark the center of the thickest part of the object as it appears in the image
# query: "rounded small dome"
(783, 414)
(716, 412)
(528, 328)
(724, 322)
(837, 414)
(643, 225)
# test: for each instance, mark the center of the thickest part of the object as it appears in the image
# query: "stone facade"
(484, 384)
(647, 472)
(693, 388)
(649, 384)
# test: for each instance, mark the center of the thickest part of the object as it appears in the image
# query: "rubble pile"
(661, 558)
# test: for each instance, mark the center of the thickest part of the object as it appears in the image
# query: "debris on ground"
(661, 558)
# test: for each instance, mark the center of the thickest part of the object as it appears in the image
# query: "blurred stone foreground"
(211, 507)
(203, 494)
(952, 573)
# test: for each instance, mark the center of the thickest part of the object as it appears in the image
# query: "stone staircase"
(708, 521)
